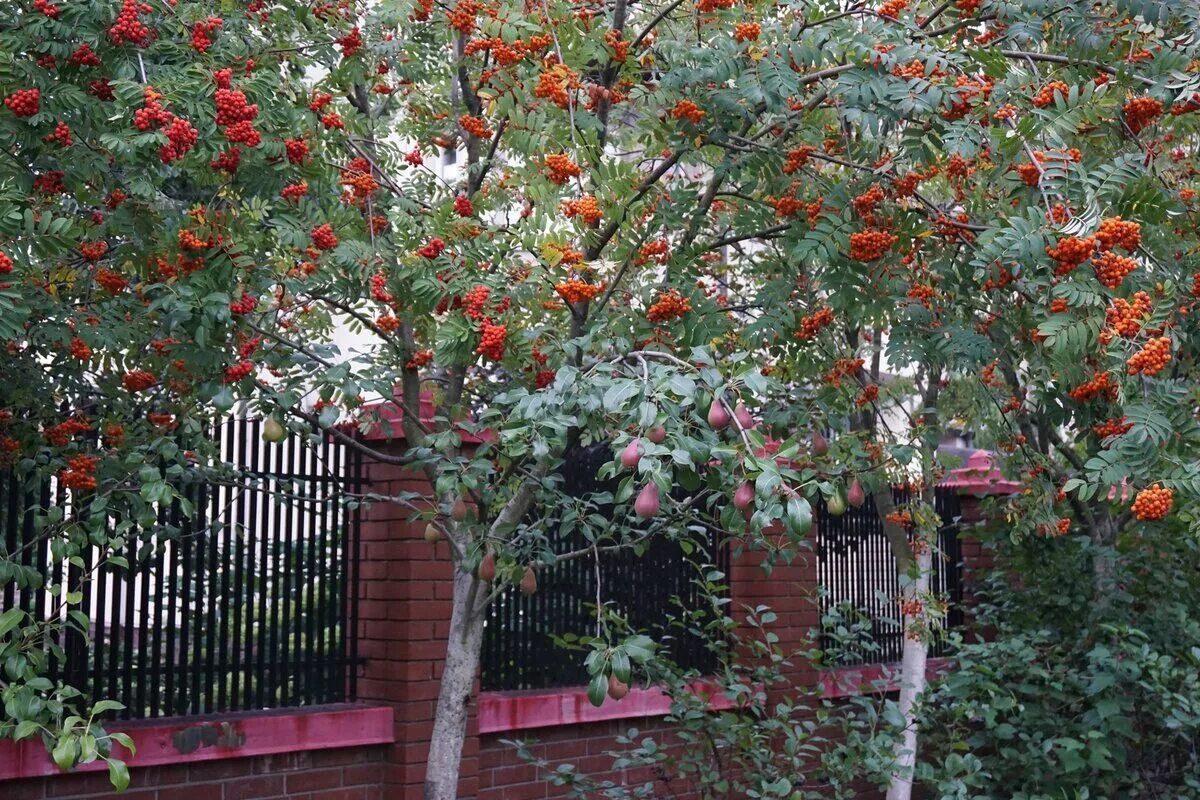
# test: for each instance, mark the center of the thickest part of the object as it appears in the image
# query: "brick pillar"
(977, 558)
(404, 619)
(790, 590)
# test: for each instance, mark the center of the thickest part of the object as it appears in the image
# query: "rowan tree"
(672, 221)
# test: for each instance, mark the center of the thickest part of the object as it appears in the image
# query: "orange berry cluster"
(584, 207)
(1124, 318)
(1153, 503)
(203, 31)
(462, 16)
(138, 380)
(388, 323)
(24, 102)
(577, 291)
(235, 116)
(797, 158)
(812, 324)
(243, 305)
(432, 249)
(892, 8)
(1070, 252)
(294, 191)
(1098, 385)
(866, 202)
(238, 371)
(842, 368)
(379, 290)
(93, 251)
(462, 206)
(113, 282)
(868, 395)
(420, 359)
(658, 251)
(475, 300)
(709, 6)
(1111, 268)
(670, 305)
(129, 26)
(1045, 96)
(1116, 232)
(1058, 305)
(297, 150)
(1117, 426)
(1152, 358)
(351, 43)
(80, 349)
(181, 136)
(562, 168)
(79, 473)
(1141, 112)
(871, 245)
(476, 126)
(59, 435)
(323, 237)
(491, 341)
(556, 84)
(746, 32)
(686, 109)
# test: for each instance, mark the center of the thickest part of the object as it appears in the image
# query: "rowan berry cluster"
(868, 395)
(203, 32)
(670, 305)
(79, 473)
(462, 16)
(24, 102)
(243, 305)
(6, 264)
(80, 349)
(556, 84)
(1045, 96)
(491, 339)
(129, 26)
(138, 380)
(562, 168)
(93, 251)
(1124, 318)
(236, 116)
(871, 245)
(585, 207)
(379, 290)
(462, 206)
(893, 8)
(1111, 268)
(294, 191)
(1152, 358)
(1116, 232)
(1058, 305)
(866, 202)
(475, 300)
(420, 359)
(1153, 503)
(746, 32)
(59, 435)
(1141, 112)
(112, 282)
(577, 291)
(1070, 252)
(657, 251)
(227, 161)
(686, 109)
(181, 136)
(351, 43)
(1117, 426)
(432, 249)
(238, 371)
(61, 134)
(83, 56)
(297, 150)
(323, 237)
(814, 323)
(842, 368)
(49, 9)
(476, 126)
(1100, 384)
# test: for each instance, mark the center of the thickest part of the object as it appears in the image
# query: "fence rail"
(247, 604)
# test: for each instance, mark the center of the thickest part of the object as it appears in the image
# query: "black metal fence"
(857, 572)
(247, 604)
(650, 589)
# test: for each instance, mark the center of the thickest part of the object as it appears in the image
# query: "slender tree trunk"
(454, 697)
(1104, 535)
(912, 684)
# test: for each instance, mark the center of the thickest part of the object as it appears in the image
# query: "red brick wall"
(348, 774)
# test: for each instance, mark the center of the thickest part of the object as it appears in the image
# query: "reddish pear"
(646, 505)
(742, 415)
(617, 688)
(487, 567)
(632, 454)
(458, 512)
(529, 581)
(743, 498)
(718, 416)
(432, 534)
(856, 496)
(657, 434)
(819, 446)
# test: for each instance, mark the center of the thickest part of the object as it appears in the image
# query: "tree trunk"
(912, 684)
(454, 697)
(1104, 535)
